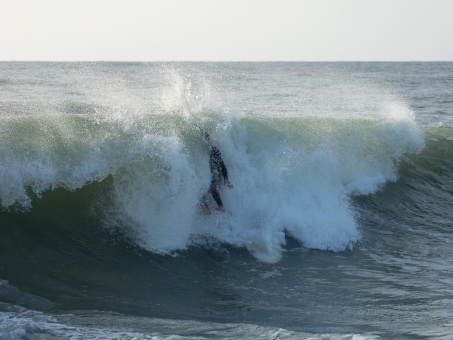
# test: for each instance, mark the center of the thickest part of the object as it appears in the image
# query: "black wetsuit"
(218, 169)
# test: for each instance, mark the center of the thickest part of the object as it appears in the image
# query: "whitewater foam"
(293, 175)
(281, 187)
(293, 180)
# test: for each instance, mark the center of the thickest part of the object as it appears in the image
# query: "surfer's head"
(206, 137)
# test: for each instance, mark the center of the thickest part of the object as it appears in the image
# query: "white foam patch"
(17, 323)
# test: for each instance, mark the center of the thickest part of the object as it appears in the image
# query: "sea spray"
(293, 174)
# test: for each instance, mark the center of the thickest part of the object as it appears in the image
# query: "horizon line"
(228, 61)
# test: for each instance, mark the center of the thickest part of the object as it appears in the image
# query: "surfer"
(218, 170)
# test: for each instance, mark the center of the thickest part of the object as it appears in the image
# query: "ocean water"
(339, 225)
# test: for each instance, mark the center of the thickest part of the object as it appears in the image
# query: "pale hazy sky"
(156, 30)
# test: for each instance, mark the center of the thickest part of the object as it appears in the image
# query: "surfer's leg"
(204, 205)
(206, 210)
(215, 194)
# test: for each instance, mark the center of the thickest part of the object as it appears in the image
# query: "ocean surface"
(339, 225)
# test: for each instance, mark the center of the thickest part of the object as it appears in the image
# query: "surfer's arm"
(225, 174)
(223, 169)
(216, 156)
(227, 183)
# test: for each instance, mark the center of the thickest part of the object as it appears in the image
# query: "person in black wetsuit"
(218, 170)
